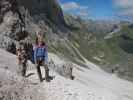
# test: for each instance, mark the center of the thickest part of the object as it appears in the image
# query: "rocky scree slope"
(89, 84)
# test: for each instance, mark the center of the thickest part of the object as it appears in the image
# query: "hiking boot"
(47, 80)
(24, 70)
(39, 73)
(72, 77)
(47, 77)
(41, 80)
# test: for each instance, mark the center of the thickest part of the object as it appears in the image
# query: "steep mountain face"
(49, 8)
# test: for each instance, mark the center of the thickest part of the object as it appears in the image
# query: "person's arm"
(34, 50)
(46, 55)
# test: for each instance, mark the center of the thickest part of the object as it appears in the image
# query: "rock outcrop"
(11, 24)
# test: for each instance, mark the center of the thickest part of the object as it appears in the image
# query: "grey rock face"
(50, 8)
(10, 25)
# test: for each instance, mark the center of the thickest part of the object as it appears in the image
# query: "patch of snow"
(96, 58)
(110, 35)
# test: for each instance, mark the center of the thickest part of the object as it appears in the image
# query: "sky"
(99, 9)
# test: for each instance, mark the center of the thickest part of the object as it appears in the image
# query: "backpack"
(40, 53)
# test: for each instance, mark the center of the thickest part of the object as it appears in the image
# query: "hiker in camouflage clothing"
(22, 58)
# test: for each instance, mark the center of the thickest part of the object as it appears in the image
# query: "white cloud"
(84, 8)
(70, 6)
(125, 7)
(78, 9)
(124, 3)
(83, 12)
(73, 6)
(127, 12)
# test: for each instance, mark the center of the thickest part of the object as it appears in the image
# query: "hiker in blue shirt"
(41, 56)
